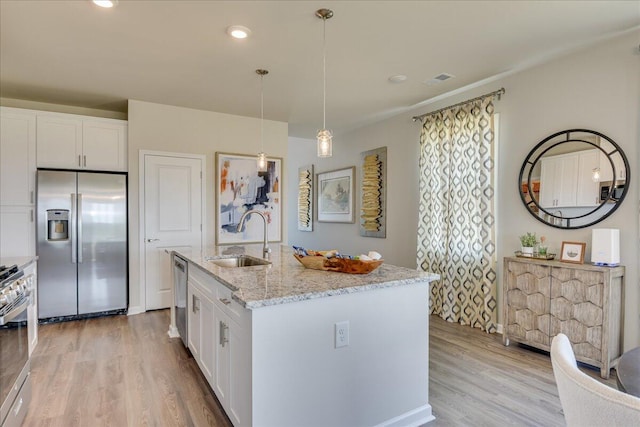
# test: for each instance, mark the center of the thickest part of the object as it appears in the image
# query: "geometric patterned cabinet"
(545, 298)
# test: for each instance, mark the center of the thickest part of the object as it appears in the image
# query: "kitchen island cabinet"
(276, 358)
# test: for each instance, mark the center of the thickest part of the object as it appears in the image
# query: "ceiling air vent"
(439, 78)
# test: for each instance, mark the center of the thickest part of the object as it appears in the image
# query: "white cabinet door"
(31, 274)
(200, 330)
(207, 338)
(59, 141)
(232, 368)
(17, 157)
(588, 189)
(221, 373)
(17, 231)
(558, 184)
(606, 173)
(104, 145)
(193, 317)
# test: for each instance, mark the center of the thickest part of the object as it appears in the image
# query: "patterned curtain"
(456, 227)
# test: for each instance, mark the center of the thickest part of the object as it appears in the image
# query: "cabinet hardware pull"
(31, 214)
(79, 161)
(152, 240)
(195, 304)
(223, 337)
(224, 301)
(85, 160)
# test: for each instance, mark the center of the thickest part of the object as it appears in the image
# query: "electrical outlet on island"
(342, 334)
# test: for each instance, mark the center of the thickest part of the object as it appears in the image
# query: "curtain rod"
(497, 93)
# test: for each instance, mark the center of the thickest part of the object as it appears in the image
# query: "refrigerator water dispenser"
(57, 224)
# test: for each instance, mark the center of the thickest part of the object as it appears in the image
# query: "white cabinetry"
(17, 231)
(17, 182)
(67, 141)
(566, 180)
(17, 157)
(606, 174)
(31, 273)
(201, 334)
(219, 340)
(558, 181)
(588, 189)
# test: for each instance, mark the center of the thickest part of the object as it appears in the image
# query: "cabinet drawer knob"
(225, 301)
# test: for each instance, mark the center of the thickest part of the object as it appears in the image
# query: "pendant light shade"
(262, 157)
(325, 138)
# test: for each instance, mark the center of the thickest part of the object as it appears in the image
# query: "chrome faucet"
(266, 250)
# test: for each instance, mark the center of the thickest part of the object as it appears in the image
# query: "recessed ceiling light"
(106, 3)
(238, 32)
(398, 78)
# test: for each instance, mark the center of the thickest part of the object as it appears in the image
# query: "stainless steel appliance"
(15, 383)
(82, 244)
(180, 295)
(611, 191)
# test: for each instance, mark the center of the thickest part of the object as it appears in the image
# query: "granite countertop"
(21, 261)
(286, 280)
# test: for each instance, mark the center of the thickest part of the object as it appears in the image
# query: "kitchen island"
(282, 345)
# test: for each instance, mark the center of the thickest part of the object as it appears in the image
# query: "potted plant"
(542, 249)
(528, 241)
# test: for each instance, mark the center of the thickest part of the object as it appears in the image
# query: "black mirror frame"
(528, 162)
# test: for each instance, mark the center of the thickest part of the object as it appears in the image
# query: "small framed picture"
(573, 252)
(335, 191)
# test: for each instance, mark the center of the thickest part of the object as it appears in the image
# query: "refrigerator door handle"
(72, 231)
(79, 220)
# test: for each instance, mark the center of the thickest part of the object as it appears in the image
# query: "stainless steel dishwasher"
(180, 267)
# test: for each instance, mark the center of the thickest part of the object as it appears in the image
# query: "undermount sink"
(238, 261)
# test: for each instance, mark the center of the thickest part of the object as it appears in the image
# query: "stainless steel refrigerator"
(82, 243)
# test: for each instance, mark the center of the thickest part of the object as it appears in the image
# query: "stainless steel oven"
(611, 191)
(15, 384)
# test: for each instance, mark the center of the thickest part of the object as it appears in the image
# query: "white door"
(173, 201)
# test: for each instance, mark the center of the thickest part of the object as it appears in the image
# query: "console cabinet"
(544, 298)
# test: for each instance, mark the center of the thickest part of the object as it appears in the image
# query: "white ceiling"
(178, 53)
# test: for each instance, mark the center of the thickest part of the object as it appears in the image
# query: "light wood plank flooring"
(126, 371)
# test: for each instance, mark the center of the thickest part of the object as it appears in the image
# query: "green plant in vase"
(528, 242)
(542, 249)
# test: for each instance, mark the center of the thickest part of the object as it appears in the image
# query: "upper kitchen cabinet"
(68, 141)
(17, 157)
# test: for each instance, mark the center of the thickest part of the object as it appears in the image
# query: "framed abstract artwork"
(240, 187)
(335, 192)
(305, 198)
(373, 193)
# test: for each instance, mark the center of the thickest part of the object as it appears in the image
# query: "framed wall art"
(305, 198)
(573, 252)
(373, 193)
(335, 193)
(239, 188)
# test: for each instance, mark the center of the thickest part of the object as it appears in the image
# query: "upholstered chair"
(586, 401)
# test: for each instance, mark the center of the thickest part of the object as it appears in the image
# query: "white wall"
(597, 88)
(175, 129)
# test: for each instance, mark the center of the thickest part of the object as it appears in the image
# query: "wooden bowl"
(342, 265)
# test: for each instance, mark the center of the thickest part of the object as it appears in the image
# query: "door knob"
(152, 240)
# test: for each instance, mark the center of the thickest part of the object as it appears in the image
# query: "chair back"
(586, 401)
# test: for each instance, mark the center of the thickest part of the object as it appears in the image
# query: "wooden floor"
(126, 371)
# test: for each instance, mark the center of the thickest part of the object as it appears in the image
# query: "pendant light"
(324, 135)
(262, 157)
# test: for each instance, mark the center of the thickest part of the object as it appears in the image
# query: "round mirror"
(574, 179)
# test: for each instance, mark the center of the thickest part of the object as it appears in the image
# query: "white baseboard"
(136, 309)
(413, 418)
(173, 332)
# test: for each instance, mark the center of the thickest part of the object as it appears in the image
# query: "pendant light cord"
(324, 73)
(262, 113)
